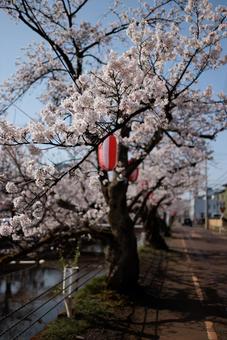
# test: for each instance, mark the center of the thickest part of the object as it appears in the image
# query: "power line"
(22, 111)
(220, 178)
(220, 183)
(25, 113)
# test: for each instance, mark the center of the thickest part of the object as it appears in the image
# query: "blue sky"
(13, 37)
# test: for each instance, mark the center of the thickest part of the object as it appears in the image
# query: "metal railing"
(97, 270)
(53, 307)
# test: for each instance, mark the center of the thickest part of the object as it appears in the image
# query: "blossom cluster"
(148, 96)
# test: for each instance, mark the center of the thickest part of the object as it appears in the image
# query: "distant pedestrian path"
(183, 294)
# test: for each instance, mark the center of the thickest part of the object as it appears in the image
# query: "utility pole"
(206, 195)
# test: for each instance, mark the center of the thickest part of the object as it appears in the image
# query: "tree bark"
(152, 225)
(123, 256)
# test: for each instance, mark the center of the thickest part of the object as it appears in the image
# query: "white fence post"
(69, 287)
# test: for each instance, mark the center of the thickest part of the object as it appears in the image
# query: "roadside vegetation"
(91, 305)
(100, 313)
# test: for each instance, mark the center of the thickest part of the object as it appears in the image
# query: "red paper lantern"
(107, 153)
(134, 175)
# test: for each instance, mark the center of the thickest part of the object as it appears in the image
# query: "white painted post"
(221, 223)
(69, 286)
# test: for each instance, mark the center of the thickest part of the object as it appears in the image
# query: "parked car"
(188, 222)
(218, 216)
(5, 220)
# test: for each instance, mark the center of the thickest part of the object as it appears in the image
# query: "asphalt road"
(193, 300)
(186, 295)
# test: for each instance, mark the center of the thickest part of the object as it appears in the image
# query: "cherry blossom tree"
(163, 179)
(55, 220)
(69, 44)
(148, 93)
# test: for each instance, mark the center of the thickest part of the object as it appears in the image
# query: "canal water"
(19, 291)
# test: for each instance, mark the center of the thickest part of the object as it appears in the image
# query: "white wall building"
(199, 206)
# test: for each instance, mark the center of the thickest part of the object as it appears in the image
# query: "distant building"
(185, 209)
(222, 199)
(213, 205)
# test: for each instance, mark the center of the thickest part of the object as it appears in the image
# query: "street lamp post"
(206, 196)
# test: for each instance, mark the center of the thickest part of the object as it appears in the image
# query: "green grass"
(95, 301)
(144, 249)
(91, 305)
(64, 329)
(147, 250)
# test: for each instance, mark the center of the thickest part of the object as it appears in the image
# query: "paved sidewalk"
(175, 304)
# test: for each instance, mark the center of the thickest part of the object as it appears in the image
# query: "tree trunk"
(166, 227)
(124, 261)
(152, 224)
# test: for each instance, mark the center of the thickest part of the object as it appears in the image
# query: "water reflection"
(8, 295)
(17, 288)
